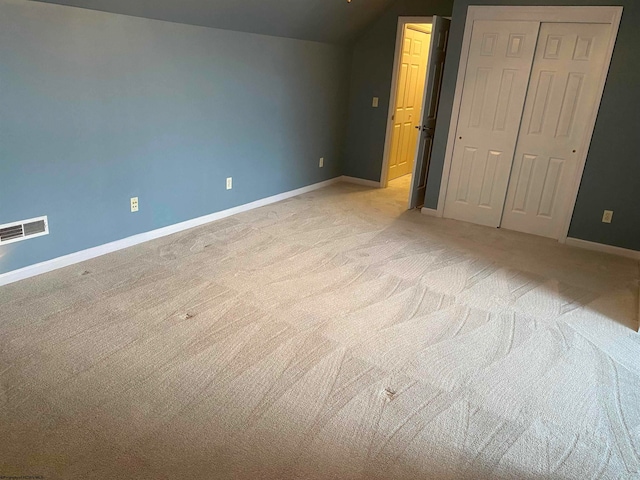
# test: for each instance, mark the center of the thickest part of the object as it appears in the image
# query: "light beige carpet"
(330, 336)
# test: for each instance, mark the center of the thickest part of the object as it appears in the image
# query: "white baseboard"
(601, 247)
(81, 256)
(432, 212)
(360, 181)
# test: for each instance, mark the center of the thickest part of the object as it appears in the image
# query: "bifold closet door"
(495, 86)
(563, 92)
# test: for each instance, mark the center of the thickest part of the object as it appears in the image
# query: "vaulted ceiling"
(331, 21)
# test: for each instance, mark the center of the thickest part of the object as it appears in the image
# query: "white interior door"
(495, 87)
(431, 99)
(408, 109)
(563, 92)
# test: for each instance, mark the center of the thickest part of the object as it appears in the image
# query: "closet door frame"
(542, 14)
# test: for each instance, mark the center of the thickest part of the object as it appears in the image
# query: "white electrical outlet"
(607, 217)
(321, 162)
(134, 204)
(376, 100)
(229, 183)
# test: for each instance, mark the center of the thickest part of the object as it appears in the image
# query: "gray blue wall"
(371, 74)
(611, 179)
(97, 108)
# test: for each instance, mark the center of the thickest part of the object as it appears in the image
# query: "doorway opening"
(415, 92)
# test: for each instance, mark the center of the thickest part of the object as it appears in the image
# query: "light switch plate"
(229, 183)
(375, 103)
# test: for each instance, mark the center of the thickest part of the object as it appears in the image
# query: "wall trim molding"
(601, 247)
(432, 212)
(360, 181)
(81, 256)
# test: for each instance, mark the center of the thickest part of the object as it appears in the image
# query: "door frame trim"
(542, 14)
(402, 21)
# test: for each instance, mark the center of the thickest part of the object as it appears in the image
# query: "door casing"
(543, 14)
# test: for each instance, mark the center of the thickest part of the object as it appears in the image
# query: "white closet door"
(563, 92)
(495, 87)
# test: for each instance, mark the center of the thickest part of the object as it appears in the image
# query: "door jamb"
(544, 14)
(402, 21)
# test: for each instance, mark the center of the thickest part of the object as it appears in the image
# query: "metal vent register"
(22, 230)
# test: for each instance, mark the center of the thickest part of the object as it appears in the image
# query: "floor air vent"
(16, 231)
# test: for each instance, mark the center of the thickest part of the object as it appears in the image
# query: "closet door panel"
(495, 87)
(563, 92)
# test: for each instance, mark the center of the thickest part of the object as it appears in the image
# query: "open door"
(435, 69)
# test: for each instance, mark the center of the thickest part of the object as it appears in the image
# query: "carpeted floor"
(330, 336)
